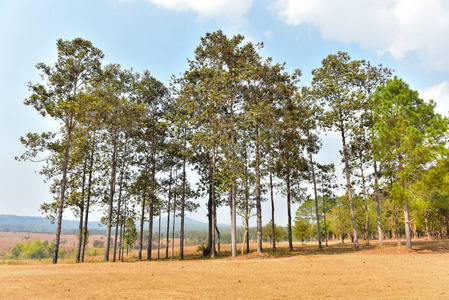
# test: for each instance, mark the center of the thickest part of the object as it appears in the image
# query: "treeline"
(245, 125)
(13, 223)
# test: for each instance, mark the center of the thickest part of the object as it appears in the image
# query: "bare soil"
(336, 272)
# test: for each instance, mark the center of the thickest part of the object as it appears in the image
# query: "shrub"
(33, 250)
(205, 249)
(98, 244)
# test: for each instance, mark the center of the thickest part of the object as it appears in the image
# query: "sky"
(409, 36)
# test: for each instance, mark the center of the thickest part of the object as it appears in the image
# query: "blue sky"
(409, 36)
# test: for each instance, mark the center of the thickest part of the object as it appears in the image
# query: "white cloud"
(395, 26)
(231, 11)
(440, 94)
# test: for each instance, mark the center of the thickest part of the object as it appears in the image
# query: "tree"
(409, 137)
(302, 229)
(311, 113)
(290, 163)
(336, 83)
(62, 99)
(278, 235)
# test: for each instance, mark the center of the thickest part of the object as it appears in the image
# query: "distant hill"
(43, 225)
(15, 223)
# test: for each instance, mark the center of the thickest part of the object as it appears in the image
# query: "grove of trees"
(247, 127)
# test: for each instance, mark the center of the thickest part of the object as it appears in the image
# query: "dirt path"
(339, 273)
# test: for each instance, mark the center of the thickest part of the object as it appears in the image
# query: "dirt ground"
(336, 272)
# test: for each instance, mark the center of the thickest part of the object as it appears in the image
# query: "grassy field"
(335, 272)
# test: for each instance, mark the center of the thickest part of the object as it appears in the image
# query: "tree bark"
(316, 199)
(159, 236)
(324, 210)
(111, 196)
(427, 226)
(289, 212)
(174, 223)
(258, 198)
(398, 234)
(218, 236)
(142, 221)
(376, 189)
(348, 184)
(152, 202)
(365, 202)
(408, 238)
(233, 221)
(213, 206)
(119, 206)
(61, 198)
(89, 193)
(273, 224)
(168, 212)
(183, 202)
(80, 231)
(244, 240)
(150, 228)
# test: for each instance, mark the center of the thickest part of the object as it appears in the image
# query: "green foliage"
(33, 250)
(205, 249)
(98, 244)
(267, 232)
(302, 229)
(94, 252)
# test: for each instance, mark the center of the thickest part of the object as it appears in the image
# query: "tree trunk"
(348, 184)
(120, 248)
(119, 206)
(152, 203)
(366, 204)
(289, 213)
(244, 240)
(427, 226)
(209, 216)
(150, 228)
(111, 196)
(233, 221)
(213, 206)
(376, 189)
(398, 234)
(258, 199)
(61, 198)
(316, 199)
(174, 224)
(168, 213)
(89, 193)
(80, 232)
(142, 221)
(273, 224)
(183, 202)
(159, 236)
(233, 202)
(324, 210)
(218, 237)
(408, 238)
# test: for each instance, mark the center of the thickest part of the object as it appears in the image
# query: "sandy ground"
(337, 272)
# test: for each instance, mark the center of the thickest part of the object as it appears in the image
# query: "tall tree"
(311, 113)
(409, 137)
(336, 83)
(61, 97)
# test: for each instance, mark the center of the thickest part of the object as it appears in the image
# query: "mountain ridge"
(43, 225)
